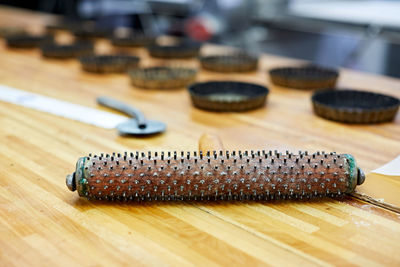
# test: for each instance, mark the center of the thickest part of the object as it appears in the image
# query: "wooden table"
(43, 223)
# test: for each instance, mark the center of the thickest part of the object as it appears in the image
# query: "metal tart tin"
(68, 24)
(7, 31)
(77, 49)
(182, 50)
(53, 28)
(162, 77)
(228, 95)
(109, 63)
(239, 62)
(28, 40)
(133, 40)
(88, 32)
(354, 106)
(306, 77)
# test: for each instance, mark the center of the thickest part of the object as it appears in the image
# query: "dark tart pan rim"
(183, 50)
(304, 77)
(203, 95)
(358, 106)
(229, 63)
(28, 40)
(108, 63)
(73, 50)
(146, 77)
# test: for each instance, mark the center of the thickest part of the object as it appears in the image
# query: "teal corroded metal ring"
(77, 180)
(356, 175)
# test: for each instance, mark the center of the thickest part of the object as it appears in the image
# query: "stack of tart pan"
(109, 63)
(237, 62)
(305, 77)
(162, 77)
(74, 50)
(348, 106)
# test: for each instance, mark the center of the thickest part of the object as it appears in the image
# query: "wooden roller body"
(218, 175)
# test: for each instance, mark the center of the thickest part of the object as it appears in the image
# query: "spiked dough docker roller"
(214, 174)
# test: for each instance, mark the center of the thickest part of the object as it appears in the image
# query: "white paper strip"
(392, 168)
(61, 108)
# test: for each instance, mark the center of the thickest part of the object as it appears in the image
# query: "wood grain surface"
(42, 223)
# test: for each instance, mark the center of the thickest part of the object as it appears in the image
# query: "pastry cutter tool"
(81, 113)
(138, 125)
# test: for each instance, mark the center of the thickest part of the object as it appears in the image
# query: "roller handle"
(210, 142)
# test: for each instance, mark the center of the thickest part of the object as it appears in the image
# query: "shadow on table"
(82, 203)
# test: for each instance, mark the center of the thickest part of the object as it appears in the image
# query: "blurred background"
(356, 34)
